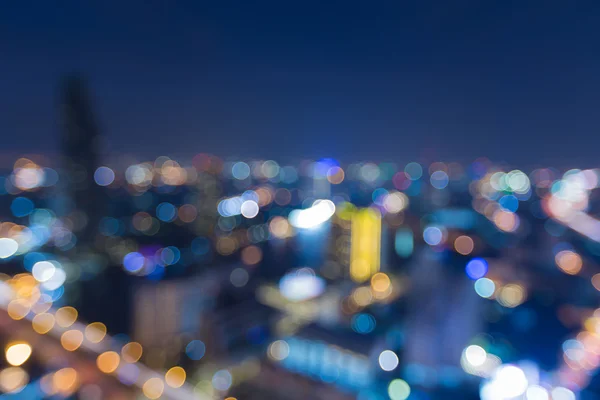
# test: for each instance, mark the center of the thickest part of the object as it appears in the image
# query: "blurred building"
(80, 143)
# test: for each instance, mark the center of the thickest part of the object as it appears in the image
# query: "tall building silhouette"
(80, 150)
(103, 287)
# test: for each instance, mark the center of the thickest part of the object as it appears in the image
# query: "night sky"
(382, 80)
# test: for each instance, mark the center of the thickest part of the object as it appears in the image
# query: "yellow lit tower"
(365, 246)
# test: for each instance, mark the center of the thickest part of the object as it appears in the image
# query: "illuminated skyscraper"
(365, 252)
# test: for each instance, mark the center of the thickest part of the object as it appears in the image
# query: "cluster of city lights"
(23, 299)
(178, 219)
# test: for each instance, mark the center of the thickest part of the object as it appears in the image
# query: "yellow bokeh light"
(511, 295)
(569, 262)
(362, 296)
(18, 309)
(265, 196)
(226, 245)
(17, 353)
(95, 332)
(13, 379)
(65, 380)
(24, 163)
(153, 388)
(175, 377)
(43, 323)
(380, 282)
(66, 316)
(280, 227)
(108, 362)
(132, 352)
(71, 340)
(345, 211)
(592, 324)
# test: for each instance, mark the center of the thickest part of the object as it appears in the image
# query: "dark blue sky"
(349, 79)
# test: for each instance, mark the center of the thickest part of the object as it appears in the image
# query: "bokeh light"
(398, 389)
(476, 268)
(388, 360)
(18, 353)
(175, 377)
(108, 362)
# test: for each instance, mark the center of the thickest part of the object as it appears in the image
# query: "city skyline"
(341, 200)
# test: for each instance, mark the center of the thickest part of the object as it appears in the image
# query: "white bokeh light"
(314, 216)
(249, 209)
(475, 355)
(507, 382)
(536, 393)
(561, 393)
(388, 360)
(43, 271)
(8, 247)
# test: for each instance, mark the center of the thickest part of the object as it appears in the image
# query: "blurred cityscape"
(222, 278)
